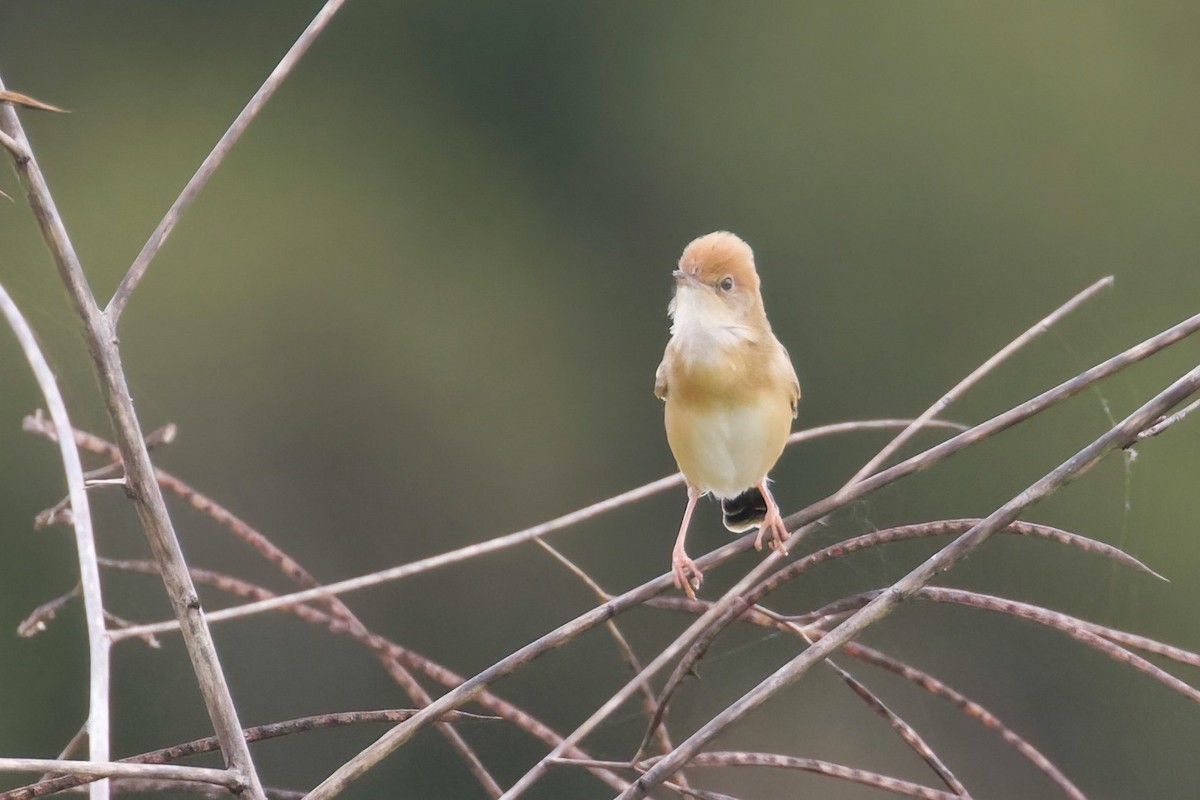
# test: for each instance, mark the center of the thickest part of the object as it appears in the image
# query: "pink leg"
(687, 574)
(772, 523)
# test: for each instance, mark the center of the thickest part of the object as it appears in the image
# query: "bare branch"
(649, 706)
(210, 744)
(140, 264)
(280, 602)
(143, 489)
(35, 623)
(686, 665)
(569, 630)
(760, 616)
(383, 647)
(14, 147)
(880, 607)
(1166, 422)
(742, 759)
(110, 769)
(801, 522)
(85, 542)
(123, 786)
(966, 383)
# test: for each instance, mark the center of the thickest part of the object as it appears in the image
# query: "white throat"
(703, 326)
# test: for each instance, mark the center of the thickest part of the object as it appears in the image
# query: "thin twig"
(906, 731)
(210, 744)
(702, 641)
(85, 541)
(760, 616)
(13, 147)
(140, 264)
(1166, 422)
(686, 664)
(880, 607)
(147, 498)
(802, 522)
(124, 786)
(279, 602)
(107, 769)
(378, 644)
(966, 383)
(35, 623)
(633, 597)
(649, 705)
(742, 759)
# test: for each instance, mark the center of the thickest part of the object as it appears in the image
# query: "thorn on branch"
(25, 101)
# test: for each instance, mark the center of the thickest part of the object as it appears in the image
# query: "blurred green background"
(422, 303)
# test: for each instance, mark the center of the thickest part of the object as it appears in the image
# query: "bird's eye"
(726, 283)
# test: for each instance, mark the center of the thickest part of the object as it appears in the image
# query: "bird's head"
(716, 284)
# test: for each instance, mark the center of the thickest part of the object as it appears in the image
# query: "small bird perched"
(730, 393)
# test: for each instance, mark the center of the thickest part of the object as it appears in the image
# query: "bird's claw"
(688, 576)
(773, 524)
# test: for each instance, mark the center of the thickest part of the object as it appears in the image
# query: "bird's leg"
(687, 574)
(772, 523)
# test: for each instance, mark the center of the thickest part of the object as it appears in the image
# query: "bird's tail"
(746, 511)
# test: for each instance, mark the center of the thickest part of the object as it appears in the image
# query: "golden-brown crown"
(714, 256)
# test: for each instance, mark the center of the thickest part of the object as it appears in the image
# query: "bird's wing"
(660, 380)
(794, 385)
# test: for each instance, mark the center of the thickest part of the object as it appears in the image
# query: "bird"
(730, 393)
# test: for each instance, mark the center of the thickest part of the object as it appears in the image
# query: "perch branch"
(801, 522)
(761, 617)
(569, 630)
(279, 602)
(839, 549)
(877, 609)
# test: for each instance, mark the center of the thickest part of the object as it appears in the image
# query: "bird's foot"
(773, 526)
(687, 575)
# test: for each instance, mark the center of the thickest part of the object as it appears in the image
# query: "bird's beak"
(685, 278)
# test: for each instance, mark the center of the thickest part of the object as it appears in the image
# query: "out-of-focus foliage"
(422, 303)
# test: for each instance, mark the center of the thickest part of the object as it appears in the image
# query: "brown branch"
(757, 615)
(687, 663)
(123, 786)
(380, 646)
(210, 744)
(95, 770)
(35, 623)
(633, 597)
(286, 564)
(801, 522)
(509, 540)
(816, 766)
(649, 706)
(1166, 422)
(1119, 436)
